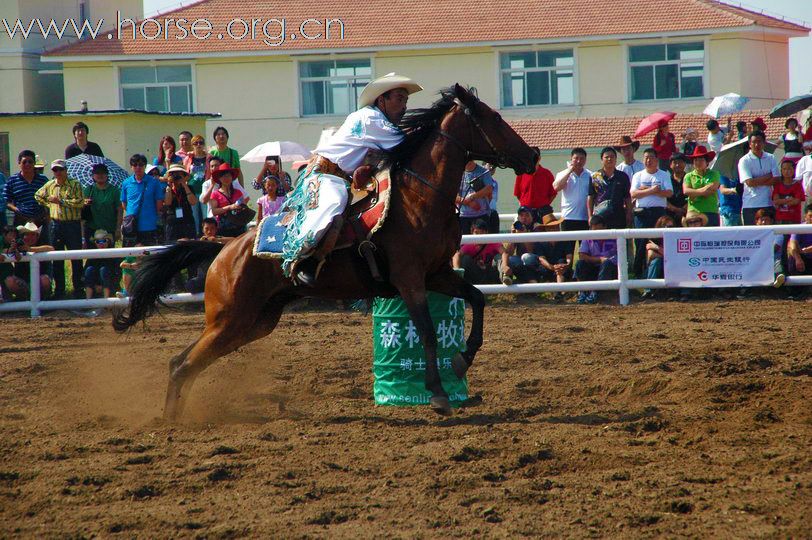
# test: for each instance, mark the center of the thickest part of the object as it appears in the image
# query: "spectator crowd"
(184, 192)
(673, 186)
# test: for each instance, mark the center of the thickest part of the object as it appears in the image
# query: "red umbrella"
(652, 122)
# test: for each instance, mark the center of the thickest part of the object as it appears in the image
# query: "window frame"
(535, 50)
(154, 65)
(331, 58)
(628, 65)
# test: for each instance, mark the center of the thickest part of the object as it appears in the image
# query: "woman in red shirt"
(664, 145)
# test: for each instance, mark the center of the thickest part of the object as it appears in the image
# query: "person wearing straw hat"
(701, 185)
(627, 147)
(373, 127)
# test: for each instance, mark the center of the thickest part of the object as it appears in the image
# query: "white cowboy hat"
(28, 228)
(390, 81)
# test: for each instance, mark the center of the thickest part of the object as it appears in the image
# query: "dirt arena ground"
(677, 420)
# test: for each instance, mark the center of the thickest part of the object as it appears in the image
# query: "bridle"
(497, 158)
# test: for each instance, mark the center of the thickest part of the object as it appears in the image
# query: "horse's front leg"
(450, 283)
(414, 297)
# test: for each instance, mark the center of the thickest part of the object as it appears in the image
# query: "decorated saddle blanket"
(362, 220)
(271, 236)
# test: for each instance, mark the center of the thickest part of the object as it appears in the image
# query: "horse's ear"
(464, 95)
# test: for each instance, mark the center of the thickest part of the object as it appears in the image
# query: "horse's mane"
(418, 125)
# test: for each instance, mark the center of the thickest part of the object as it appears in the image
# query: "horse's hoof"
(460, 365)
(441, 406)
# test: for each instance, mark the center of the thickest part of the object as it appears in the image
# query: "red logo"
(684, 245)
(703, 276)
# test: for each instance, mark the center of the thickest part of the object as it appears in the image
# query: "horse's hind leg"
(218, 339)
(451, 284)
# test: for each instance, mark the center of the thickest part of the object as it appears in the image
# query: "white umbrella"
(286, 151)
(726, 105)
(727, 160)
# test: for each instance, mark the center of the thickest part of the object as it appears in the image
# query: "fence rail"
(623, 284)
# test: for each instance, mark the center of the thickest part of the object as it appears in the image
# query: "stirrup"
(305, 275)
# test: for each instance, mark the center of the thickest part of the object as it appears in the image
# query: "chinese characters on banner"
(723, 258)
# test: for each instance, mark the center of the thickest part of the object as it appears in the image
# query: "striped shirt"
(21, 194)
(71, 200)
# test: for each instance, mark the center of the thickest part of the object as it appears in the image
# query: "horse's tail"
(154, 275)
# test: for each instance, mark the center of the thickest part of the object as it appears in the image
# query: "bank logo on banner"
(722, 258)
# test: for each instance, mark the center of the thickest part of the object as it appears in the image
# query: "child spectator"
(730, 201)
(100, 273)
(597, 259)
(788, 195)
(477, 259)
(18, 284)
(128, 267)
(272, 167)
(654, 255)
(272, 201)
(197, 283)
(766, 217)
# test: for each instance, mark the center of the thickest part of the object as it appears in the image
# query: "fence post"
(35, 292)
(622, 269)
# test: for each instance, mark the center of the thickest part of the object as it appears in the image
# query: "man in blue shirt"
(19, 194)
(141, 196)
(474, 197)
(730, 202)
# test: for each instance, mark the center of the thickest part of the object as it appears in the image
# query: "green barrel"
(399, 362)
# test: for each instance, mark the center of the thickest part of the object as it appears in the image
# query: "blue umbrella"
(726, 105)
(81, 168)
(791, 106)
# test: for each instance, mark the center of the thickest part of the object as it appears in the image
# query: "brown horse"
(245, 295)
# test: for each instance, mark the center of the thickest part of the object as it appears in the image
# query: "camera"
(519, 226)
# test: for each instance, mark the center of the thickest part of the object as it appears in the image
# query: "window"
(672, 71)
(537, 78)
(332, 86)
(157, 88)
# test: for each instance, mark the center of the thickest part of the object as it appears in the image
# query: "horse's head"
(492, 139)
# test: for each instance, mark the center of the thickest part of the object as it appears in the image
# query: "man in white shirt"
(759, 172)
(650, 191)
(717, 136)
(627, 148)
(573, 184)
(803, 173)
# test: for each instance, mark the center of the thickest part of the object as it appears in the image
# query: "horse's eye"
(498, 117)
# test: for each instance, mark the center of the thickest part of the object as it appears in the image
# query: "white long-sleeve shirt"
(364, 130)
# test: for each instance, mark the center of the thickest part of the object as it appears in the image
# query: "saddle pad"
(270, 236)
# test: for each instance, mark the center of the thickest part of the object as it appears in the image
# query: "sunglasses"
(176, 176)
(198, 144)
(101, 241)
(27, 162)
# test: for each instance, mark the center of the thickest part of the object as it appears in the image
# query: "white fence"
(36, 305)
(622, 284)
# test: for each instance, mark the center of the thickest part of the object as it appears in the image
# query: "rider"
(321, 196)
